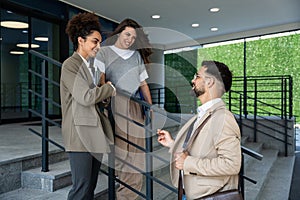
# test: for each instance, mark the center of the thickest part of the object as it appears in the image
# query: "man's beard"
(197, 91)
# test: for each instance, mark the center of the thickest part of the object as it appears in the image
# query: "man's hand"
(164, 138)
(179, 159)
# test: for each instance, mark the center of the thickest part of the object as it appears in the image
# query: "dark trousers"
(84, 169)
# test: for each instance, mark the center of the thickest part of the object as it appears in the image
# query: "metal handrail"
(112, 179)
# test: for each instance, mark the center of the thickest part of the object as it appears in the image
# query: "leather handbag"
(225, 195)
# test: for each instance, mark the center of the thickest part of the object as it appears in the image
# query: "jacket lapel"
(84, 69)
(203, 121)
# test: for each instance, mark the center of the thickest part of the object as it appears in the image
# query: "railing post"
(241, 179)
(290, 97)
(282, 97)
(255, 111)
(241, 113)
(229, 96)
(111, 162)
(45, 144)
(111, 174)
(285, 118)
(149, 159)
(245, 81)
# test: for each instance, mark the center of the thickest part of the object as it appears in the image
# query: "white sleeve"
(143, 76)
(99, 65)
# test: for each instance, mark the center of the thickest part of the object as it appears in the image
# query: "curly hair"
(82, 25)
(141, 43)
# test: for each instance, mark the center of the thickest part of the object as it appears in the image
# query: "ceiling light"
(214, 29)
(24, 31)
(24, 45)
(195, 25)
(16, 52)
(42, 39)
(14, 24)
(214, 10)
(155, 16)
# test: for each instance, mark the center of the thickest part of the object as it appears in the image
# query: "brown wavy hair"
(141, 43)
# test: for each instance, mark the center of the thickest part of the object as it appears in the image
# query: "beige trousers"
(124, 151)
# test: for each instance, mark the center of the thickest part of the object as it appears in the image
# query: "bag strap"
(197, 131)
(180, 186)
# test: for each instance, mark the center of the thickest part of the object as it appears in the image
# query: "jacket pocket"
(87, 121)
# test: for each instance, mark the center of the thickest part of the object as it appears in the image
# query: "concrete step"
(257, 147)
(10, 170)
(60, 194)
(58, 176)
(259, 171)
(160, 192)
(278, 183)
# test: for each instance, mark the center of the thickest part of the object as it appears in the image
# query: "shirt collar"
(203, 108)
(87, 63)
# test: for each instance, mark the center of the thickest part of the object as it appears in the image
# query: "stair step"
(61, 194)
(10, 170)
(59, 176)
(257, 147)
(258, 171)
(277, 186)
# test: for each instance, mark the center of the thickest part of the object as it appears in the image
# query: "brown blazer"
(84, 127)
(214, 159)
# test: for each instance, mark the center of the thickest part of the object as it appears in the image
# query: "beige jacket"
(214, 159)
(84, 127)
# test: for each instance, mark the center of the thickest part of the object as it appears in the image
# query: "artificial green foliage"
(179, 70)
(264, 57)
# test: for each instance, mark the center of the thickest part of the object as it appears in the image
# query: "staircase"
(21, 178)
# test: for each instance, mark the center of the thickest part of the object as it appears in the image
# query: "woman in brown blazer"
(86, 131)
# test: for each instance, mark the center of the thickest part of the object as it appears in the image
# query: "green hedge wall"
(264, 57)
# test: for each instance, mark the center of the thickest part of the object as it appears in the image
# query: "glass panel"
(14, 67)
(46, 35)
(13, 58)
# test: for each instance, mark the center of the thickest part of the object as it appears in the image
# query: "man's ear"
(210, 82)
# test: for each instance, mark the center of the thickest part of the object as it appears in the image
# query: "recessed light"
(24, 31)
(16, 52)
(214, 29)
(24, 45)
(214, 10)
(42, 39)
(155, 16)
(195, 25)
(14, 24)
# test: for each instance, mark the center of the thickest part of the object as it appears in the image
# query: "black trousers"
(84, 169)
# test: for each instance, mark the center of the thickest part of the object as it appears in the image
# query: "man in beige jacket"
(86, 131)
(209, 154)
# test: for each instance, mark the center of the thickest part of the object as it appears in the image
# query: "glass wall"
(13, 62)
(41, 36)
(43, 30)
(269, 55)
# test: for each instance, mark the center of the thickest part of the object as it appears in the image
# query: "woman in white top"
(122, 62)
